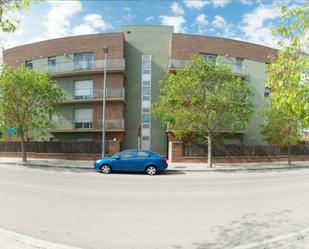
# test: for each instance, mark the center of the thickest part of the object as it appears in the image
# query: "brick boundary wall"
(175, 154)
(92, 157)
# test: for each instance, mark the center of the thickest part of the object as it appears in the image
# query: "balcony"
(83, 125)
(95, 95)
(226, 128)
(229, 128)
(236, 70)
(84, 67)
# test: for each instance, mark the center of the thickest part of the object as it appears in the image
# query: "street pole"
(105, 49)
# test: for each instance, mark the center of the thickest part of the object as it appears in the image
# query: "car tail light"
(164, 159)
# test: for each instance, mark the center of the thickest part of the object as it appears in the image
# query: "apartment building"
(137, 60)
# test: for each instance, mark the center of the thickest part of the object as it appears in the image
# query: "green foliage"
(202, 98)
(27, 99)
(293, 27)
(8, 9)
(288, 79)
(289, 85)
(280, 128)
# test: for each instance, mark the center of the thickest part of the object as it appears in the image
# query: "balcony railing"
(84, 66)
(113, 124)
(237, 70)
(87, 124)
(83, 124)
(89, 93)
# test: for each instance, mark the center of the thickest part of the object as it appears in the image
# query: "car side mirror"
(117, 157)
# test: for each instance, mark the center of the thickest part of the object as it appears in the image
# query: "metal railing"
(79, 66)
(236, 69)
(110, 124)
(83, 124)
(89, 93)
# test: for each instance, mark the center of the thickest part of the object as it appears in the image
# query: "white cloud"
(256, 26)
(220, 23)
(220, 3)
(58, 19)
(92, 24)
(149, 18)
(196, 4)
(128, 18)
(176, 21)
(127, 9)
(201, 22)
(246, 2)
(177, 9)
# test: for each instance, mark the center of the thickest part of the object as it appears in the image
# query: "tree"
(27, 99)
(202, 98)
(281, 129)
(8, 9)
(288, 114)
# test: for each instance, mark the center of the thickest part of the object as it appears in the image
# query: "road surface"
(175, 210)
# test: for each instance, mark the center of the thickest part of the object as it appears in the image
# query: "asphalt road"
(174, 210)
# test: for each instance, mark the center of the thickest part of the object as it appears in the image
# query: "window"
(145, 118)
(146, 90)
(29, 64)
(83, 89)
(209, 57)
(239, 62)
(142, 154)
(146, 102)
(267, 91)
(83, 61)
(128, 154)
(51, 61)
(83, 118)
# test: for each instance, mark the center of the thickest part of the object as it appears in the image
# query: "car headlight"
(98, 161)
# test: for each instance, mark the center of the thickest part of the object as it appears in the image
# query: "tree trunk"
(209, 151)
(23, 150)
(289, 155)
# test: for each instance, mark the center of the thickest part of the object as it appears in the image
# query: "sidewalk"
(186, 167)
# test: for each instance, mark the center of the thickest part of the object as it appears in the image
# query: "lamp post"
(105, 49)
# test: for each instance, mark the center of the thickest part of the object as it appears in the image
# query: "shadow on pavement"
(248, 229)
(58, 169)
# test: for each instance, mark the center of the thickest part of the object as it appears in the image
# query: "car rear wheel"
(151, 170)
(106, 169)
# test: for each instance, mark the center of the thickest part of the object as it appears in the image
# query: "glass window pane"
(146, 83)
(145, 118)
(146, 90)
(29, 64)
(127, 155)
(146, 97)
(142, 154)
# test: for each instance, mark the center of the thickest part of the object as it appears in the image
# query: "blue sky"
(238, 19)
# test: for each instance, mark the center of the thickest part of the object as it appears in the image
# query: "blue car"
(132, 161)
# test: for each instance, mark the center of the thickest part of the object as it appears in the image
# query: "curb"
(47, 166)
(174, 169)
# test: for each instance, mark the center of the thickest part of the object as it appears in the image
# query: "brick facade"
(184, 46)
(68, 45)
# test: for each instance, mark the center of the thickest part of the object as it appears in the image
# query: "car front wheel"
(151, 170)
(106, 169)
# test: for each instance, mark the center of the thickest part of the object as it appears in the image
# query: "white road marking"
(12, 240)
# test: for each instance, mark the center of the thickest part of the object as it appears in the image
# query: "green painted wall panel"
(154, 41)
